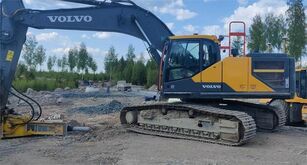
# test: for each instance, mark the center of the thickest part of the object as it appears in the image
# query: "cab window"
(183, 60)
(209, 55)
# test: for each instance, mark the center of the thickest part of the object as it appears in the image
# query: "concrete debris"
(91, 89)
(44, 97)
(30, 91)
(59, 100)
(55, 116)
(61, 96)
(93, 94)
(81, 129)
(58, 90)
(153, 88)
(74, 123)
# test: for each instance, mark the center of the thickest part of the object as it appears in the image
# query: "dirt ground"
(108, 143)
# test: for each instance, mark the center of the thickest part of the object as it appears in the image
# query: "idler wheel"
(132, 117)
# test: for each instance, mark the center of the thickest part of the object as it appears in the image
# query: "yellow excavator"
(191, 69)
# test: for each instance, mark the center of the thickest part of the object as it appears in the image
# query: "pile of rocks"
(45, 97)
(112, 107)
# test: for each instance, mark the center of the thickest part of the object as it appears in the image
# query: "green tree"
(59, 64)
(296, 31)
(72, 58)
(92, 64)
(257, 35)
(40, 56)
(51, 62)
(237, 43)
(64, 63)
(21, 70)
(139, 73)
(152, 73)
(82, 58)
(128, 70)
(120, 68)
(131, 53)
(275, 30)
(110, 62)
(29, 51)
(94, 67)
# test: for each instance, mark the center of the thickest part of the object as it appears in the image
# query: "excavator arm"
(122, 16)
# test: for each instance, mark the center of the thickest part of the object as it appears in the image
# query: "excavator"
(191, 69)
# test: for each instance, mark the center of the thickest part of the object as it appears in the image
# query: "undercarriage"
(230, 123)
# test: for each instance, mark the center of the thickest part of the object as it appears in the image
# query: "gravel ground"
(108, 143)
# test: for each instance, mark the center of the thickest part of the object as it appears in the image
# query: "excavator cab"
(193, 69)
(187, 57)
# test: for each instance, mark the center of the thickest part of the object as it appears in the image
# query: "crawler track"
(246, 126)
(267, 118)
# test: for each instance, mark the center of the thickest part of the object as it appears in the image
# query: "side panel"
(210, 78)
(274, 72)
(254, 84)
(213, 74)
(235, 74)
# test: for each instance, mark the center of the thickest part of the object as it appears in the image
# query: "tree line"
(272, 32)
(132, 69)
(79, 61)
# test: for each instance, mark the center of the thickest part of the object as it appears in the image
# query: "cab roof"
(209, 37)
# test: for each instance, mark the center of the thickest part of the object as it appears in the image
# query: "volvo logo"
(66, 19)
(212, 86)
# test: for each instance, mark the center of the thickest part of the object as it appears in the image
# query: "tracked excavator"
(191, 69)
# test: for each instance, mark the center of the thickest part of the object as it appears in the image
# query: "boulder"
(66, 88)
(30, 91)
(59, 100)
(153, 88)
(58, 90)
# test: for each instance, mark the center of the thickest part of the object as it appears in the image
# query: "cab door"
(182, 63)
(211, 66)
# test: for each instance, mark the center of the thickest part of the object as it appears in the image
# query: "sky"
(181, 16)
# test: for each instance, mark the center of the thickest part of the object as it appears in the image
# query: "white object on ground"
(91, 89)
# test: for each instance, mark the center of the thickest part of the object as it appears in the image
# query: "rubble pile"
(99, 94)
(112, 107)
(42, 97)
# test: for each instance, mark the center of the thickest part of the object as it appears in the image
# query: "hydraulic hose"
(38, 105)
(33, 111)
